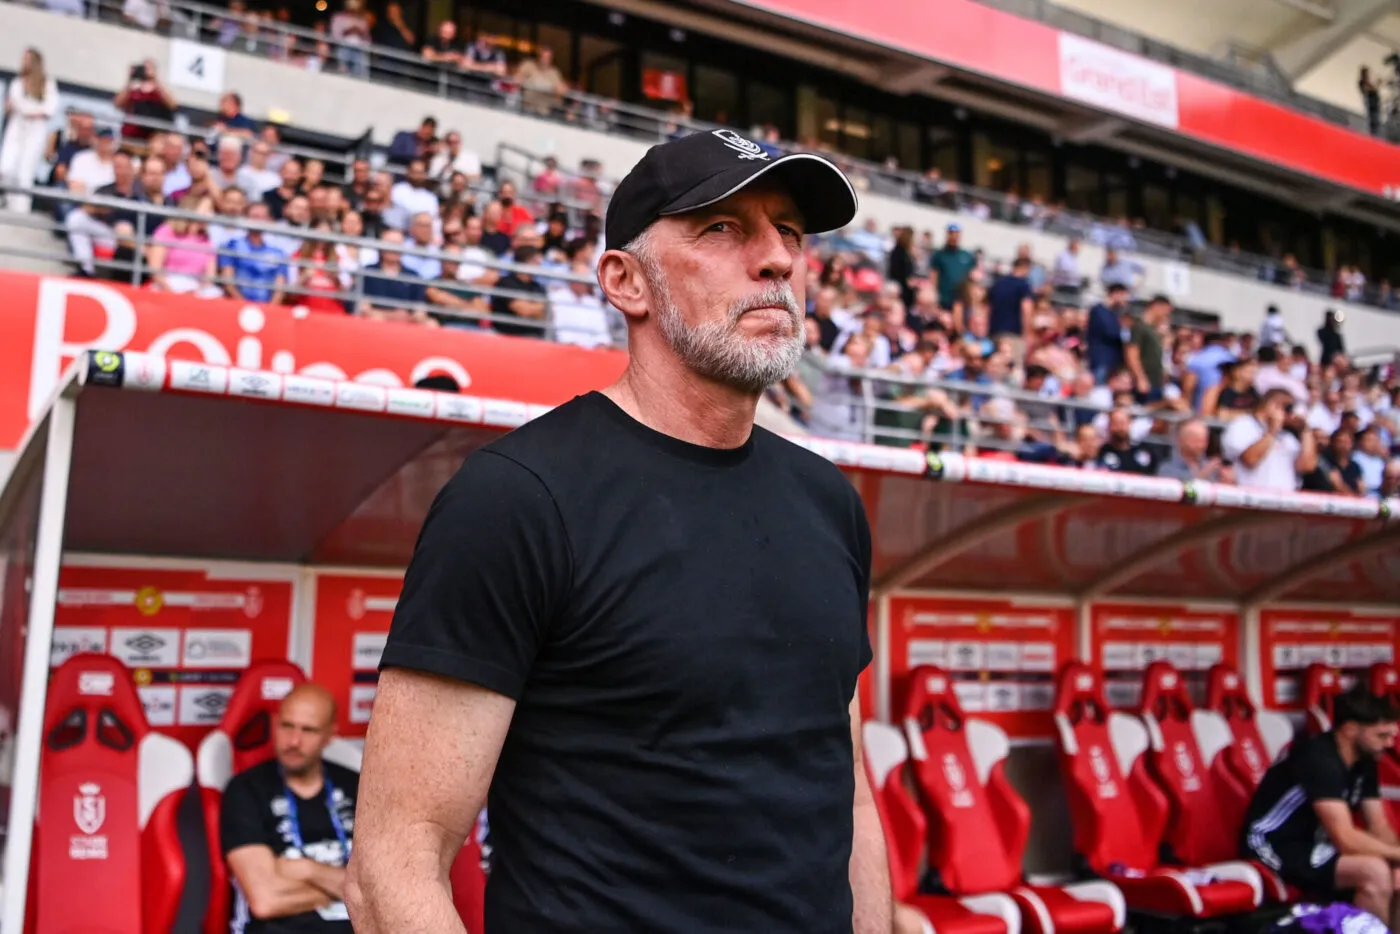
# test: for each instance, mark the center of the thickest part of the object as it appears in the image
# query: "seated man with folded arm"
(286, 826)
(1301, 824)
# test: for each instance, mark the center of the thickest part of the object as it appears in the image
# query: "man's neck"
(308, 784)
(1346, 750)
(675, 402)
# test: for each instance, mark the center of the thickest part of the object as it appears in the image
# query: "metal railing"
(280, 41)
(886, 406)
(129, 262)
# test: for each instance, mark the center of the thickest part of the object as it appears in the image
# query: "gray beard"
(719, 351)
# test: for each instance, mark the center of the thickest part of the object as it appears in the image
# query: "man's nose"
(771, 257)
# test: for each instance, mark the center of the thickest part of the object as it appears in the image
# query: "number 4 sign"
(197, 67)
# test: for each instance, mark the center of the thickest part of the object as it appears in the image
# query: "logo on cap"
(746, 148)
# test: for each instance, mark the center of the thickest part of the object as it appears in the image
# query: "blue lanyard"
(294, 822)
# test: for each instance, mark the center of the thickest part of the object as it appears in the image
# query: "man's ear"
(623, 283)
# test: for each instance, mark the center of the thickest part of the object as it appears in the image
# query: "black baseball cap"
(701, 169)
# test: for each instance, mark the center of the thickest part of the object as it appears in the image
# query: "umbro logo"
(211, 703)
(145, 643)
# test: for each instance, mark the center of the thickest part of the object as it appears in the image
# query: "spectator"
(542, 85)
(949, 267)
(519, 305)
(1190, 461)
(228, 161)
(290, 186)
(452, 159)
(286, 826)
(201, 179)
(467, 305)
(393, 32)
(144, 98)
(1234, 395)
(1066, 276)
(1339, 467)
(1330, 337)
(231, 121)
(420, 237)
(1273, 332)
(1011, 300)
(32, 99)
(254, 270)
(90, 224)
(387, 293)
(444, 49)
(351, 29)
(1120, 271)
(1143, 351)
(1370, 99)
(80, 134)
(577, 314)
(1370, 456)
(900, 264)
(1105, 333)
(513, 213)
(93, 168)
(493, 239)
(180, 256)
(1272, 375)
(1390, 480)
(414, 195)
(1120, 453)
(485, 58)
(1269, 448)
(1204, 367)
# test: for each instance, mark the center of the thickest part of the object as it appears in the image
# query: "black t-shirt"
(1137, 458)
(254, 811)
(1281, 811)
(500, 306)
(681, 628)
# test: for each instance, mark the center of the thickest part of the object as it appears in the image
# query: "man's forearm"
(408, 890)
(329, 879)
(282, 897)
(870, 870)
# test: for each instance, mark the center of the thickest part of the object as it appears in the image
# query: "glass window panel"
(716, 95)
(855, 132)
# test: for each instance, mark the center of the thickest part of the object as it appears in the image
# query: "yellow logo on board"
(149, 601)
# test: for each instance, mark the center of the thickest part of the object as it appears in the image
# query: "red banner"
(1127, 638)
(48, 321)
(977, 38)
(353, 613)
(1002, 656)
(1291, 640)
(187, 636)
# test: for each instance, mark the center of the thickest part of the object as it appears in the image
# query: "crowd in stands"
(911, 342)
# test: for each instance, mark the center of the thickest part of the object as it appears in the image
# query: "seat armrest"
(1238, 871)
(998, 906)
(1105, 893)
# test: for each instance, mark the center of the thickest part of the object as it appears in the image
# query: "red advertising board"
(978, 38)
(187, 635)
(1002, 656)
(48, 321)
(1291, 640)
(1128, 637)
(353, 612)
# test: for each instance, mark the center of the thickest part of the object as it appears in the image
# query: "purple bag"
(1336, 918)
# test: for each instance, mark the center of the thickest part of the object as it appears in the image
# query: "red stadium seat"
(1206, 805)
(979, 824)
(886, 758)
(1120, 814)
(1385, 682)
(1321, 685)
(242, 740)
(107, 857)
(1257, 737)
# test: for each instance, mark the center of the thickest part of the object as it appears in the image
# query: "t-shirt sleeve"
(241, 819)
(1322, 777)
(1371, 781)
(863, 556)
(491, 568)
(1239, 437)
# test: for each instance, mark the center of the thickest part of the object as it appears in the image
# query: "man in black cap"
(639, 619)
